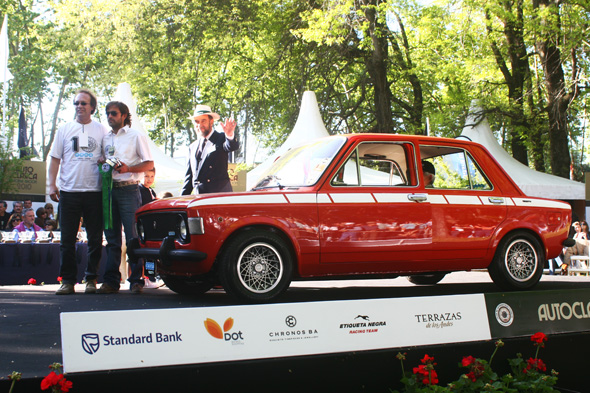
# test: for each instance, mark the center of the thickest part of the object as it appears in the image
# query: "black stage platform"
(30, 340)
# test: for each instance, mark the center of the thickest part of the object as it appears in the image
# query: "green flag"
(106, 173)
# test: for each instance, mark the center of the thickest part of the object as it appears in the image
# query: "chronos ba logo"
(216, 331)
(90, 343)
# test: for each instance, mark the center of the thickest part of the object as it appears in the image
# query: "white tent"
(309, 126)
(531, 182)
(169, 173)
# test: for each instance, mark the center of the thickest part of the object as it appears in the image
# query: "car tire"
(426, 279)
(187, 286)
(518, 263)
(256, 266)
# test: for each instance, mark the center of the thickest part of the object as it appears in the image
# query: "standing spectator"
(4, 216)
(130, 148)
(17, 207)
(49, 211)
(41, 217)
(14, 220)
(208, 155)
(147, 192)
(27, 225)
(77, 148)
(27, 203)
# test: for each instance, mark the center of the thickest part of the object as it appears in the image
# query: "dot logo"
(215, 330)
(90, 343)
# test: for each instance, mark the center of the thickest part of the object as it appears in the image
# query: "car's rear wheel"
(256, 266)
(518, 263)
(426, 279)
(186, 285)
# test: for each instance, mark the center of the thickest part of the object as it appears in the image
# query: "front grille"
(157, 226)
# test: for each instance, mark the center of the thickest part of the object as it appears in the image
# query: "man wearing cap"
(208, 155)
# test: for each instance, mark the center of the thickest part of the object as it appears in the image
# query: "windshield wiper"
(262, 184)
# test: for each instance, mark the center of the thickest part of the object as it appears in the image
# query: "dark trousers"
(72, 207)
(126, 200)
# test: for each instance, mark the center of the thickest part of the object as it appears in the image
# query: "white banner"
(108, 340)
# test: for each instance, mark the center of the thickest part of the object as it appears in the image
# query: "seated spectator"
(41, 217)
(167, 194)
(49, 211)
(14, 220)
(50, 226)
(4, 215)
(429, 174)
(27, 203)
(17, 207)
(580, 248)
(28, 225)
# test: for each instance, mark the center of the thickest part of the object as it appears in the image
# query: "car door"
(466, 207)
(373, 217)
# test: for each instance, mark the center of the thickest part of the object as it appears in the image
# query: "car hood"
(182, 202)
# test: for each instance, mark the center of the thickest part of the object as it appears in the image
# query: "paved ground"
(30, 337)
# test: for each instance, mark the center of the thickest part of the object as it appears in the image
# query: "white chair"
(580, 264)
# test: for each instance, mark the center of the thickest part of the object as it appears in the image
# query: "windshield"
(302, 165)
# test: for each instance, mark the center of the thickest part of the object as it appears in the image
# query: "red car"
(356, 206)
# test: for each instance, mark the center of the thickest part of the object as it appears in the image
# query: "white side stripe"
(353, 198)
(463, 199)
(253, 199)
(540, 203)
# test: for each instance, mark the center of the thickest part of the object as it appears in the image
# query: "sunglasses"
(76, 103)
(16, 219)
(112, 113)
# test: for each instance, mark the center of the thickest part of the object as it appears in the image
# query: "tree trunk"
(53, 130)
(377, 68)
(558, 98)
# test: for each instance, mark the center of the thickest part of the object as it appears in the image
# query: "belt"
(124, 183)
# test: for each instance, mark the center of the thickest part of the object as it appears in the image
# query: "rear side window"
(375, 164)
(454, 169)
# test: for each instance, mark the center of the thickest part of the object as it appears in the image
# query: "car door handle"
(496, 200)
(418, 197)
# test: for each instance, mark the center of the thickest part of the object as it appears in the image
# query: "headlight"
(182, 229)
(140, 231)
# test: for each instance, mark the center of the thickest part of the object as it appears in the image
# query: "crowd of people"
(100, 176)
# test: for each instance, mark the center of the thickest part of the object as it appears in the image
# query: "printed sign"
(525, 313)
(106, 340)
(30, 182)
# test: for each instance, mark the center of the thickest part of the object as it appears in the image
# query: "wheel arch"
(289, 241)
(506, 232)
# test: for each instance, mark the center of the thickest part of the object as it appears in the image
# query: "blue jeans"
(72, 207)
(126, 200)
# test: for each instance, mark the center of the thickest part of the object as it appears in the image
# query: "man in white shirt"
(130, 148)
(77, 148)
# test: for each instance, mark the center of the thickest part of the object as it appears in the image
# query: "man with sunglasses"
(77, 149)
(127, 150)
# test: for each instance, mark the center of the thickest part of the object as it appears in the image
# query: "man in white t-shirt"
(77, 148)
(130, 150)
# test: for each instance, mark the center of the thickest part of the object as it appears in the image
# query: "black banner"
(525, 313)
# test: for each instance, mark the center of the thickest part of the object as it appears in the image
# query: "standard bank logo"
(90, 343)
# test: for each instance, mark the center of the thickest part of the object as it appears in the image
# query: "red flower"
(65, 385)
(50, 380)
(467, 361)
(32, 281)
(427, 374)
(427, 359)
(535, 364)
(59, 279)
(471, 375)
(539, 339)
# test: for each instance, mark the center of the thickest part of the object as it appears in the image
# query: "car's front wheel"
(256, 266)
(187, 286)
(518, 263)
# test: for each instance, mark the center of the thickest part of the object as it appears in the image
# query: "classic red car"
(356, 206)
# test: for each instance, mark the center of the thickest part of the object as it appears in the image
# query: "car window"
(374, 164)
(454, 169)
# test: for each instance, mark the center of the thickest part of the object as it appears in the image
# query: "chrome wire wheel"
(260, 267)
(521, 260)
